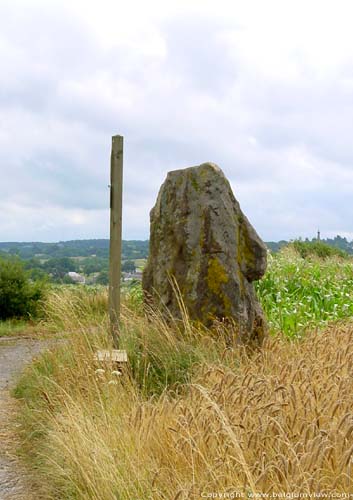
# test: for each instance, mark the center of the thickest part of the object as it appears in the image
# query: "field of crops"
(298, 294)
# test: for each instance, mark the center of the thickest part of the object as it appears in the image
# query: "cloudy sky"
(262, 88)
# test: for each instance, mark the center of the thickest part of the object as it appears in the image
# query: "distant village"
(126, 277)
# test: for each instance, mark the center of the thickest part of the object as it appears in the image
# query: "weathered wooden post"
(115, 358)
(116, 206)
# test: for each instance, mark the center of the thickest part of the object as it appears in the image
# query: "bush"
(19, 297)
(103, 278)
(317, 249)
(128, 266)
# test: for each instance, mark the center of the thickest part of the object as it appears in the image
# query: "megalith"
(201, 240)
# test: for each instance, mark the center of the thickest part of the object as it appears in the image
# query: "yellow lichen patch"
(242, 253)
(216, 276)
(227, 305)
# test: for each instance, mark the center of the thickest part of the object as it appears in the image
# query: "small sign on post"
(116, 206)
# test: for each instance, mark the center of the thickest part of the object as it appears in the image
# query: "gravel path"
(15, 353)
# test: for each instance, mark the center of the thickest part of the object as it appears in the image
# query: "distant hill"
(275, 246)
(132, 249)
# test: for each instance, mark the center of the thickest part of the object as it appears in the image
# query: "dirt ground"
(15, 353)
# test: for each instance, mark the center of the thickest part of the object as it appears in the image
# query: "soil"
(15, 353)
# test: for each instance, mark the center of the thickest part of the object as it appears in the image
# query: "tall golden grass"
(276, 420)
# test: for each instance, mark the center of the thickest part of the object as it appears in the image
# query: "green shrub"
(317, 249)
(19, 297)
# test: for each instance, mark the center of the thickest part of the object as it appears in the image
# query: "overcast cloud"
(262, 88)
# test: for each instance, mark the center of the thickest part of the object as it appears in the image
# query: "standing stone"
(201, 238)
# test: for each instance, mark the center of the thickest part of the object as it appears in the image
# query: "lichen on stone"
(216, 276)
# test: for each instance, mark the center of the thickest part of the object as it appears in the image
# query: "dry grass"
(278, 420)
(68, 309)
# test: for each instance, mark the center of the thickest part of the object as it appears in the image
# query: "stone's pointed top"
(212, 167)
(209, 164)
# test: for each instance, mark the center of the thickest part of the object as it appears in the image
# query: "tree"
(103, 278)
(58, 267)
(128, 266)
(67, 280)
(92, 265)
(19, 297)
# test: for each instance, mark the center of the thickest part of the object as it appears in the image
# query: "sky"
(262, 88)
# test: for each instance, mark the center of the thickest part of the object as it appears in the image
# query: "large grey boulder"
(201, 239)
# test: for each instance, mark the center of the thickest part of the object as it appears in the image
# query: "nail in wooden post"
(116, 205)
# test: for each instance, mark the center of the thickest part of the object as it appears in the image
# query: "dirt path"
(15, 353)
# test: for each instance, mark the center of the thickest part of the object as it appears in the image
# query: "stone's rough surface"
(200, 236)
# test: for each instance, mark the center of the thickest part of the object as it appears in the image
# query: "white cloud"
(264, 89)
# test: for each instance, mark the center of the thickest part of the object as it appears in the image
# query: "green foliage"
(132, 249)
(275, 246)
(36, 274)
(158, 361)
(337, 243)
(67, 280)
(59, 267)
(91, 265)
(317, 248)
(11, 327)
(128, 266)
(87, 257)
(298, 294)
(103, 278)
(133, 295)
(19, 297)
(42, 369)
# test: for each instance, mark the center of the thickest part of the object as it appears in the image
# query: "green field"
(303, 293)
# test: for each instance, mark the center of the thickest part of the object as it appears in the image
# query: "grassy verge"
(12, 327)
(194, 414)
(22, 328)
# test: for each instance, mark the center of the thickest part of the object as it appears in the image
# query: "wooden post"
(116, 205)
